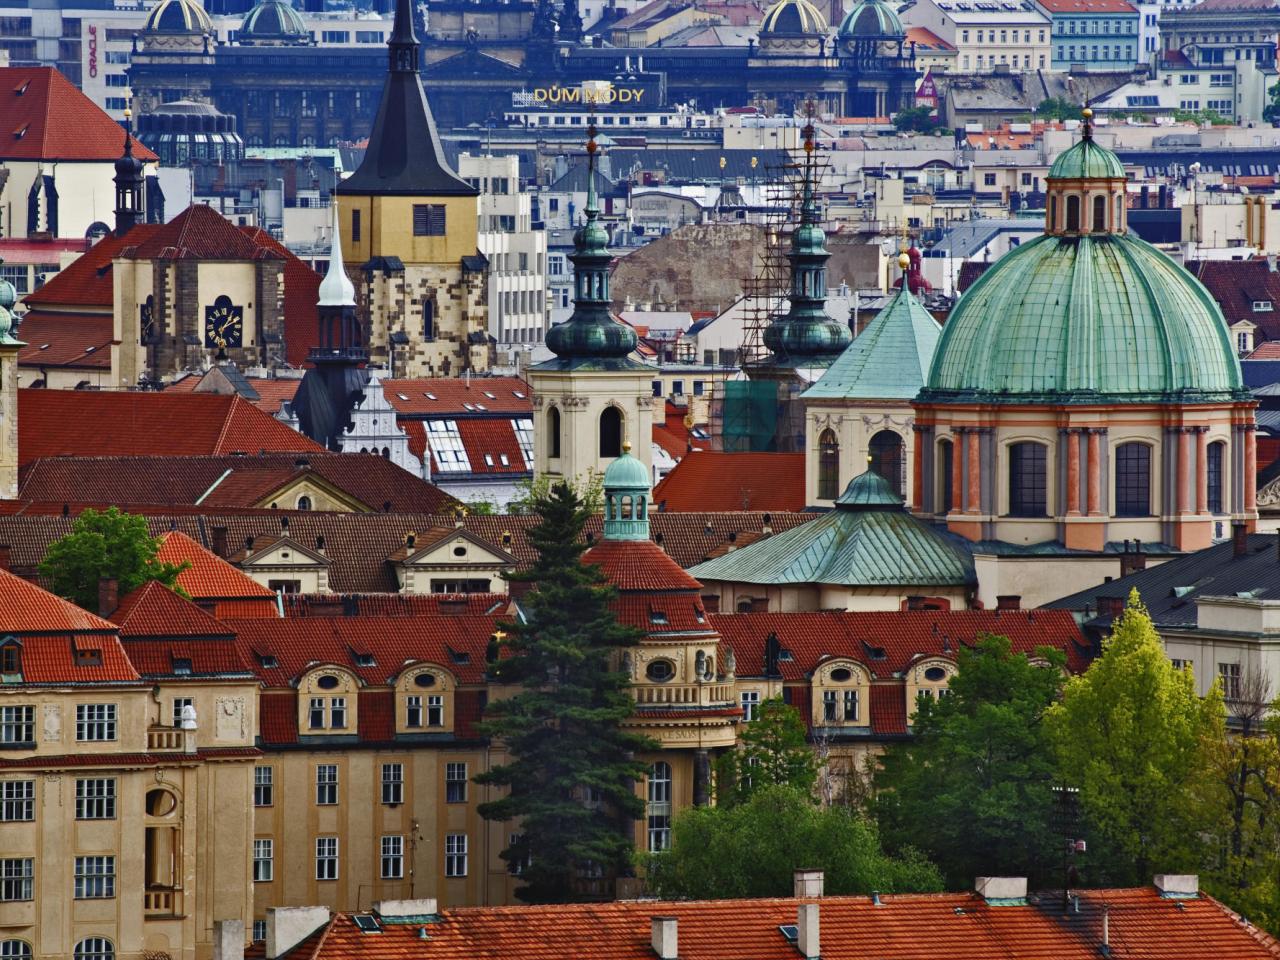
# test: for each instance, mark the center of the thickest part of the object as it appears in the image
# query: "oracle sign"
(93, 51)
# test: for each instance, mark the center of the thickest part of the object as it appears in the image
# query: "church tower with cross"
(593, 395)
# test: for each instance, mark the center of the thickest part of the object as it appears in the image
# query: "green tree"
(1133, 736)
(534, 491)
(1271, 112)
(773, 749)
(107, 545)
(1058, 108)
(563, 728)
(974, 789)
(753, 848)
(917, 119)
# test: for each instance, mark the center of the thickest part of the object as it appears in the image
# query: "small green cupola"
(591, 337)
(868, 491)
(8, 297)
(627, 492)
(806, 336)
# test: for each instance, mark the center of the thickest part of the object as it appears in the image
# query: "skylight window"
(502, 458)
(481, 406)
(467, 406)
(488, 459)
(490, 395)
(446, 444)
(519, 395)
(364, 660)
(182, 666)
(657, 616)
(367, 923)
(431, 396)
(402, 397)
(267, 661)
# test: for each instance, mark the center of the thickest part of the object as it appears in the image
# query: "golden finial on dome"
(1087, 114)
(626, 446)
(904, 260)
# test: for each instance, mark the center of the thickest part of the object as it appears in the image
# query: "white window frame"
(455, 782)
(17, 801)
(264, 785)
(264, 855)
(327, 858)
(17, 879)
(392, 783)
(95, 878)
(17, 726)
(95, 722)
(392, 859)
(95, 798)
(455, 855)
(750, 705)
(326, 784)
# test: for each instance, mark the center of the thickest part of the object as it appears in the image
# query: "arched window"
(1216, 455)
(611, 432)
(95, 948)
(828, 466)
(304, 502)
(1053, 214)
(553, 432)
(659, 808)
(1133, 480)
(1073, 213)
(15, 950)
(887, 459)
(1027, 480)
(1099, 214)
(1119, 212)
(386, 453)
(946, 450)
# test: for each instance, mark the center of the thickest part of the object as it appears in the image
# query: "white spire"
(336, 289)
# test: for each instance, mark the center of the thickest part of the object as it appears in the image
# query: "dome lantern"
(626, 498)
(1085, 188)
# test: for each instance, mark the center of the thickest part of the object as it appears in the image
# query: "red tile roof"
(888, 708)
(718, 481)
(208, 576)
(87, 281)
(639, 565)
(77, 340)
(44, 117)
(153, 610)
(272, 392)
(1088, 6)
(124, 761)
(926, 39)
(227, 481)
(887, 642)
(495, 438)
(208, 658)
(959, 926)
(377, 716)
(1236, 284)
(200, 233)
(84, 423)
(278, 717)
(28, 609)
(409, 397)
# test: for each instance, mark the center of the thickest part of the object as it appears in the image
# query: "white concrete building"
(517, 253)
(987, 33)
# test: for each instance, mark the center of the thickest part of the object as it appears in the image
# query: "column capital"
(1095, 431)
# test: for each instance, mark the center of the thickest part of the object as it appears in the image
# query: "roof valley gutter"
(214, 486)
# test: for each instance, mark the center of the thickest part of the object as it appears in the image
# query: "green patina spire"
(626, 498)
(591, 337)
(806, 336)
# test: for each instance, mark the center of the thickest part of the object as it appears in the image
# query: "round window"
(160, 803)
(459, 551)
(425, 680)
(660, 671)
(327, 682)
(935, 674)
(841, 674)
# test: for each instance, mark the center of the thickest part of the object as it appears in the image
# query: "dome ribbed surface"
(178, 16)
(626, 473)
(273, 20)
(871, 19)
(794, 17)
(1088, 319)
(1087, 161)
(868, 489)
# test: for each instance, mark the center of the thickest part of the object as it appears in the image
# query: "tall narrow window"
(392, 858)
(1133, 480)
(326, 858)
(413, 711)
(1213, 463)
(455, 783)
(553, 432)
(828, 466)
(263, 860)
(946, 450)
(611, 432)
(355, 226)
(428, 319)
(1073, 213)
(1099, 214)
(887, 459)
(1053, 214)
(455, 854)
(263, 786)
(659, 809)
(393, 783)
(1027, 480)
(830, 706)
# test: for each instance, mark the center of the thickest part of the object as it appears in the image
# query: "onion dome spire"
(806, 336)
(128, 180)
(591, 335)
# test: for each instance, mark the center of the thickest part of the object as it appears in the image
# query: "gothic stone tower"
(411, 224)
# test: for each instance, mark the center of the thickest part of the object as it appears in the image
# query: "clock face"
(147, 321)
(223, 324)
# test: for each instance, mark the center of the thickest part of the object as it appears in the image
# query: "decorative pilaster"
(957, 470)
(1202, 469)
(1073, 472)
(973, 501)
(1184, 469)
(1250, 468)
(1093, 498)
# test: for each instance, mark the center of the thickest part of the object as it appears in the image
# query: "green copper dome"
(178, 16)
(626, 474)
(868, 490)
(273, 22)
(1087, 161)
(1085, 319)
(871, 19)
(626, 498)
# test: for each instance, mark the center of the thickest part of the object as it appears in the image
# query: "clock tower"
(410, 222)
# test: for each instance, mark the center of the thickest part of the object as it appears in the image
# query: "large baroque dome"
(872, 20)
(1086, 313)
(273, 22)
(793, 18)
(178, 16)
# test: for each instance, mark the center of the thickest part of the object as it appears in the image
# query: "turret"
(129, 180)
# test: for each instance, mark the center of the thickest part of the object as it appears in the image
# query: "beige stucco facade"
(567, 411)
(852, 424)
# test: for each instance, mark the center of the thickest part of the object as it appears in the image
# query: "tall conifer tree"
(571, 774)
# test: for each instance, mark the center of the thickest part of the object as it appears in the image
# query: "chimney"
(289, 926)
(1002, 891)
(1110, 606)
(1009, 601)
(807, 884)
(1174, 886)
(808, 937)
(108, 596)
(1131, 561)
(228, 940)
(664, 937)
(219, 541)
(1239, 540)
(1105, 947)
(406, 908)
(915, 603)
(6, 557)
(759, 604)
(711, 602)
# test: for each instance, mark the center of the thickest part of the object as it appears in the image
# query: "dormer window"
(182, 666)
(88, 657)
(1262, 306)
(425, 701)
(327, 702)
(657, 617)
(363, 659)
(840, 695)
(11, 657)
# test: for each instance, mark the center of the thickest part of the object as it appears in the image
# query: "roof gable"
(153, 610)
(44, 117)
(29, 609)
(435, 547)
(208, 576)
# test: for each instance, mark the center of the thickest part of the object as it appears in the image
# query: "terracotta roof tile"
(278, 717)
(272, 392)
(28, 609)
(888, 708)
(77, 340)
(45, 117)
(129, 760)
(888, 641)
(211, 657)
(639, 565)
(958, 926)
(377, 716)
(87, 281)
(153, 610)
(1237, 284)
(208, 576)
(90, 423)
(488, 442)
(410, 399)
(712, 480)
